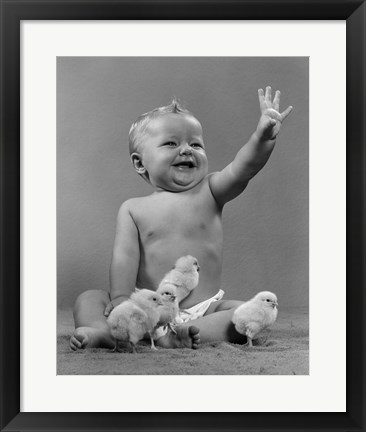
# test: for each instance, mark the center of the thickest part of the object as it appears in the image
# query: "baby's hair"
(139, 126)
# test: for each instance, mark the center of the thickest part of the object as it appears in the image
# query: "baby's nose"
(186, 149)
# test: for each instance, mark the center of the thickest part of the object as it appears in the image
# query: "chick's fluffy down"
(133, 318)
(256, 315)
(149, 301)
(128, 322)
(184, 276)
(170, 308)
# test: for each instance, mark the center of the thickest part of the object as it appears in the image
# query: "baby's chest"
(178, 217)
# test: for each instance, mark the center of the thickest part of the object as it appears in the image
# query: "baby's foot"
(90, 337)
(185, 337)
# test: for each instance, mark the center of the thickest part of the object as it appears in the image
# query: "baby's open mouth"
(185, 164)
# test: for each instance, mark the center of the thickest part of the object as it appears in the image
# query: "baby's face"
(172, 152)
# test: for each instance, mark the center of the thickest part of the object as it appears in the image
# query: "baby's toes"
(194, 334)
(74, 343)
(196, 344)
(78, 340)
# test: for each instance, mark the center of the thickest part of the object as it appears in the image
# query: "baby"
(183, 216)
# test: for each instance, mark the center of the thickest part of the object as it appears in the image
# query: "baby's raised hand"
(271, 119)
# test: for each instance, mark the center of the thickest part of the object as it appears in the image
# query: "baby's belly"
(159, 257)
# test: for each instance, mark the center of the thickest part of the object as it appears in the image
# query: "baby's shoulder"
(132, 204)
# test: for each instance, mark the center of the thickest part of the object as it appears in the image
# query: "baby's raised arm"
(125, 259)
(251, 158)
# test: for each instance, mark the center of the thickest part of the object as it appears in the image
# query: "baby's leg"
(183, 337)
(91, 328)
(215, 325)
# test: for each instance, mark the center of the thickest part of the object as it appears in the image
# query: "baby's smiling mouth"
(185, 164)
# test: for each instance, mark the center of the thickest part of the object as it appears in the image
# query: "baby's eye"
(170, 144)
(197, 145)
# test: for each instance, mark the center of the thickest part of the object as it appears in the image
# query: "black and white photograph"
(182, 193)
(182, 216)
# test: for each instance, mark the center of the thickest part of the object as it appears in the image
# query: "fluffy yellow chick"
(255, 315)
(149, 301)
(184, 276)
(170, 308)
(133, 318)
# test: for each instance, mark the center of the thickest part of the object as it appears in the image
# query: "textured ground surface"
(284, 350)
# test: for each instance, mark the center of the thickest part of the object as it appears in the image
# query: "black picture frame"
(12, 12)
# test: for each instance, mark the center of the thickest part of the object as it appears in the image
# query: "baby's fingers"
(276, 100)
(268, 96)
(108, 309)
(270, 124)
(262, 102)
(285, 113)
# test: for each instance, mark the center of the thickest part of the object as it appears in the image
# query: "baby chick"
(133, 318)
(170, 307)
(149, 301)
(127, 323)
(184, 276)
(255, 315)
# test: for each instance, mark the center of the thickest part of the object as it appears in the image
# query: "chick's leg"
(171, 327)
(249, 342)
(115, 346)
(153, 347)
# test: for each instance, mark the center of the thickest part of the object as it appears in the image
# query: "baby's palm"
(271, 119)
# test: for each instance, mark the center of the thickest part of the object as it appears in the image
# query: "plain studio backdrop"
(266, 229)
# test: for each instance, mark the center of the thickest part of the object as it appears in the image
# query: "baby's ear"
(137, 163)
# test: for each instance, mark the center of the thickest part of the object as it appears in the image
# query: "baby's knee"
(92, 296)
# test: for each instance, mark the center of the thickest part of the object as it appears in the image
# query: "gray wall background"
(266, 228)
